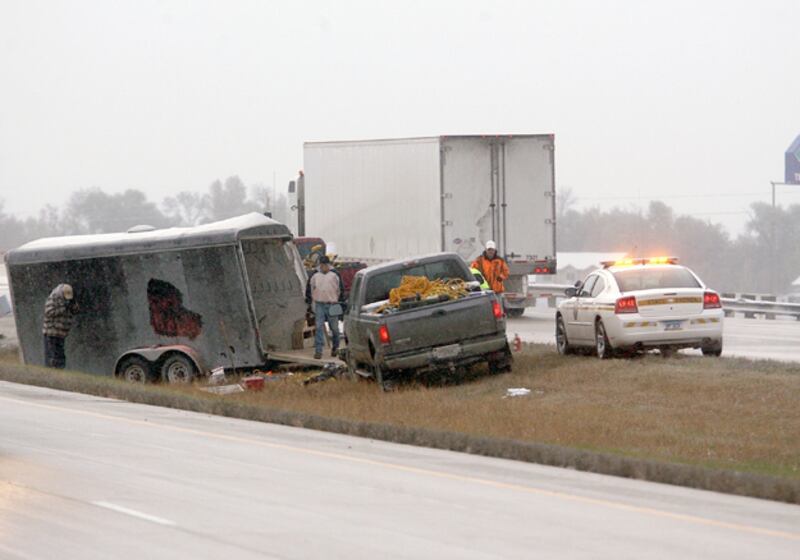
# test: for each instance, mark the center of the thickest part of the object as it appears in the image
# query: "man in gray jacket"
(324, 290)
(59, 311)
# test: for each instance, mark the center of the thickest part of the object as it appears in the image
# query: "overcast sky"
(692, 103)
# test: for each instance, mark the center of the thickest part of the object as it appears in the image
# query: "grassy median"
(731, 414)
(721, 413)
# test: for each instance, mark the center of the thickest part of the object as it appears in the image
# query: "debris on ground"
(517, 392)
(224, 389)
(253, 382)
(217, 376)
(330, 371)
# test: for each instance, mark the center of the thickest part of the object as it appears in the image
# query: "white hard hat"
(67, 291)
(491, 245)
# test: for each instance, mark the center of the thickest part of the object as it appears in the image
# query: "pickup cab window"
(379, 285)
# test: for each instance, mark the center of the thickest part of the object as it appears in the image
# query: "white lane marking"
(251, 441)
(134, 513)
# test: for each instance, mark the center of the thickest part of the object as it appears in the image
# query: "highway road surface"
(85, 477)
(777, 339)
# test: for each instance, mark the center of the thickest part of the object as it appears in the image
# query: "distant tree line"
(93, 210)
(763, 259)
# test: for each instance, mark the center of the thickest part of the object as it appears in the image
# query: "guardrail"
(770, 309)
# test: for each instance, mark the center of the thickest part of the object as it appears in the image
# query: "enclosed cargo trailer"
(167, 303)
(380, 200)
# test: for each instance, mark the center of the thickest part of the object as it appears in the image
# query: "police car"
(639, 304)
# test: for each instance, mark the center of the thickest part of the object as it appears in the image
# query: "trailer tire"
(135, 369)
(178, 368)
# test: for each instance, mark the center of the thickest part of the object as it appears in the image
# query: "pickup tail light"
(711, 301)
(626, 305)
(497, 309)
(383, 334)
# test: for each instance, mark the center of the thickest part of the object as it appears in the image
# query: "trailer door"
(468, 220)
(277, 288)
(499, 188)
(528, 194)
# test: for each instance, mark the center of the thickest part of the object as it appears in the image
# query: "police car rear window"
(654, 279)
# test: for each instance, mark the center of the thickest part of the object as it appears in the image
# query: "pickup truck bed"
(442, 334)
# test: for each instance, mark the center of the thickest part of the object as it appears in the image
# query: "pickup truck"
(425, 334)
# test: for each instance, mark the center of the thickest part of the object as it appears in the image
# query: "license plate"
(445, 352)
(673, 325)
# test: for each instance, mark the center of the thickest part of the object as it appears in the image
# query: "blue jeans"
(321, 312)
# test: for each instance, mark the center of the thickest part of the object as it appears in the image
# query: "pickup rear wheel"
(352, 373)
(381, 378)
(501, 361)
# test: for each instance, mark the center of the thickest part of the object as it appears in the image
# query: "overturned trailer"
(167, 304)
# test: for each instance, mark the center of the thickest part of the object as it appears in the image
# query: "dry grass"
(9, 355)
(731, 414)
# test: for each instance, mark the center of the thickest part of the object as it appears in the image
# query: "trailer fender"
(153, 354)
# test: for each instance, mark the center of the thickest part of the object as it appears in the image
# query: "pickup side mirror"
(571, 292)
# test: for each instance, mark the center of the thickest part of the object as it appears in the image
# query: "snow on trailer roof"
(52, 249)
(405, 140)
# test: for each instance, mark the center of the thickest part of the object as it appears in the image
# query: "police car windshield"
(655, 278)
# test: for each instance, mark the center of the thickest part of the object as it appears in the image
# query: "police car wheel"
(714, 350)
(562, 344)
(602, 346)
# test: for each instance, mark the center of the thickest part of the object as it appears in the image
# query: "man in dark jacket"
(59, 311)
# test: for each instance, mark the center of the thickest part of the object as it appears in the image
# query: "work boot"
(334, 352)
(317, 355)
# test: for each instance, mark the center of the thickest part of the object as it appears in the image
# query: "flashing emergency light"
(628, 261)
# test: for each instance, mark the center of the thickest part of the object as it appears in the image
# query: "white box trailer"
(387, 199)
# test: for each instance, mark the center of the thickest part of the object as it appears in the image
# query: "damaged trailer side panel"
(151, 292)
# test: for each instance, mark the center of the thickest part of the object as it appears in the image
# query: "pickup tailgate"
(442, 324)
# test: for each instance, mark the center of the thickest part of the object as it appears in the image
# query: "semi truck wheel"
(515, 312)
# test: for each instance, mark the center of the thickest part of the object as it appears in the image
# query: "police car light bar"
(640, 261)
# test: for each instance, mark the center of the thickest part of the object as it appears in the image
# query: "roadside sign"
(793, 163)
